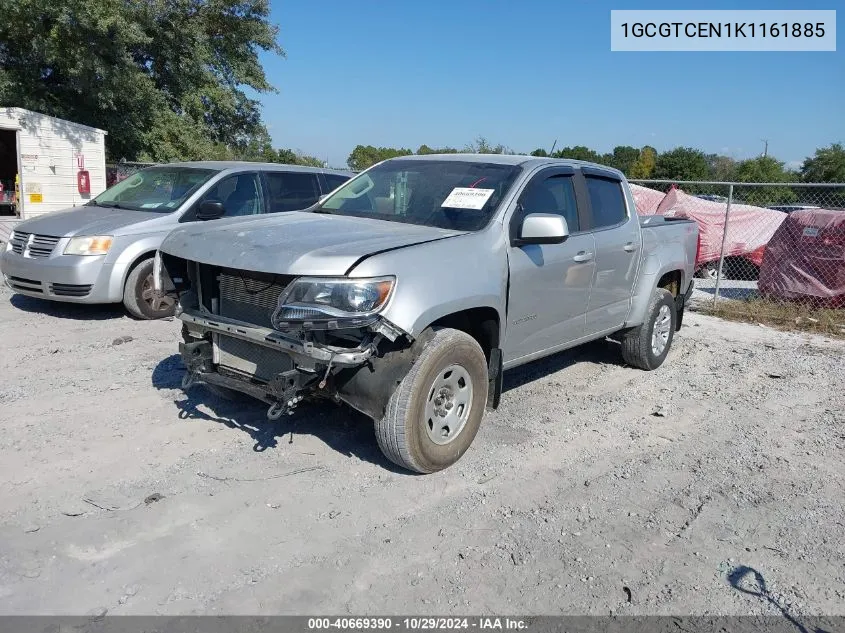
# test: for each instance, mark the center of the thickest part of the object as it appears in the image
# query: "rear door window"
(291, 191)
(333, 181)
(607, 201)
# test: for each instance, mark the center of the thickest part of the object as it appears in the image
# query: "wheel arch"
(133, 264)
(654, 276)
(368, 388)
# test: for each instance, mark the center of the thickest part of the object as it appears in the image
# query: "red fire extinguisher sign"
(83, 182)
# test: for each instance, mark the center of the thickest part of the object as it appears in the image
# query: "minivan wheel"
(139, 295)
(647, 345)
(434, 414)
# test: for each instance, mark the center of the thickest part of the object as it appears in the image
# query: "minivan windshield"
(156, 189)
(449, 194)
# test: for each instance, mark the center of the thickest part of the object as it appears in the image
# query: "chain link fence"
(770, 252)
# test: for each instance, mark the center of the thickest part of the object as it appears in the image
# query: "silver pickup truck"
(407, 291)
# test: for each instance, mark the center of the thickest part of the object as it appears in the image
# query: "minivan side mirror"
(210, 210)
(542, 228)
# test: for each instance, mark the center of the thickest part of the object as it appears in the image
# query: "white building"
(40, 160)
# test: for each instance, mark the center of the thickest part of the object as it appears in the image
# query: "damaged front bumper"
(313, 363)
(305, 352)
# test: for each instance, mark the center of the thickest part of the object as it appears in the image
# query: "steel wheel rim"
(662, 329)
(448, 404)
(149, 296)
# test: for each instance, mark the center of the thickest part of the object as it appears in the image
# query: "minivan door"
(290, 190)
(549, 283)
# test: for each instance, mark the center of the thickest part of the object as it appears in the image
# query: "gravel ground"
(711, 486)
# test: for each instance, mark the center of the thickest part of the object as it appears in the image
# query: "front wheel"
(139, 295)
(434, 414)
(647, 345)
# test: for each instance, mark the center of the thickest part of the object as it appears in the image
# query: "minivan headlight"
(330, 303)
(89, 245)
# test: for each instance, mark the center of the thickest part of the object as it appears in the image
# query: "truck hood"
(85, 221)
(294, 243)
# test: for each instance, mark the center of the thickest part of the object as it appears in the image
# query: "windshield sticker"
(467, 198)
(151, 205)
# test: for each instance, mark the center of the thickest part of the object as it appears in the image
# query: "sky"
(528, 73)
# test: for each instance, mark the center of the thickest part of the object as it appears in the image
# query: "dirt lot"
(713, 485)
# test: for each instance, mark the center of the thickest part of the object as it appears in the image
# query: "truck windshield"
(449, 194)
(155, 189)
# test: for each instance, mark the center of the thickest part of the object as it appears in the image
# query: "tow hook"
(287, 390)
(195, 356)
(276, 410)
(188, 380)
(279, 408)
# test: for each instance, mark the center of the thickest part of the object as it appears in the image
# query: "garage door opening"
(8, 171)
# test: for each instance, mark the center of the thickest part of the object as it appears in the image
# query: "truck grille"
(32, 245)
(250, 297)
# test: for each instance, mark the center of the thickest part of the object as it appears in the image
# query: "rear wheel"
(647, 345)
(434, 414)
(140, 297)
(710, 270)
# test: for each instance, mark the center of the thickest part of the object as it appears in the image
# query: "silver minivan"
(103, 251)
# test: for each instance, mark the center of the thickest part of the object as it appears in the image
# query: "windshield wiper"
(108, 205)
(322, 210)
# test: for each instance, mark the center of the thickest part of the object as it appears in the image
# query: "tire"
(710, 271)
(641, 346)
(415, 432)
(138, 294)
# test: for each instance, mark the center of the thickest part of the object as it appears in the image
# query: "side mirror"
(542, 228)
(210, 210)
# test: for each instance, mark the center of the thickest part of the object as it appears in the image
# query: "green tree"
(540, 152)
(425, 149)
(623, 158)
(721, 168)
(763, 169)
(166, 78)
(579, 152)
(826, 165)
(483, 146)
(681, 163)
(364, 156)
(643, 167)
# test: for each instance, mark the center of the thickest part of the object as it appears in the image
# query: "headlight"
(331, 303)
(89, 245)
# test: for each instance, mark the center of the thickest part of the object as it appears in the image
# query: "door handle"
(582, 256)
(630, 247)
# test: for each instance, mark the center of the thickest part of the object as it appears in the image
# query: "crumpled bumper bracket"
(305, 351)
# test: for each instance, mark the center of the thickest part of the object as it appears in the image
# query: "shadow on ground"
(749, 581)
(602, 352)
(732, 293)
(72, 311)
(339, 427)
